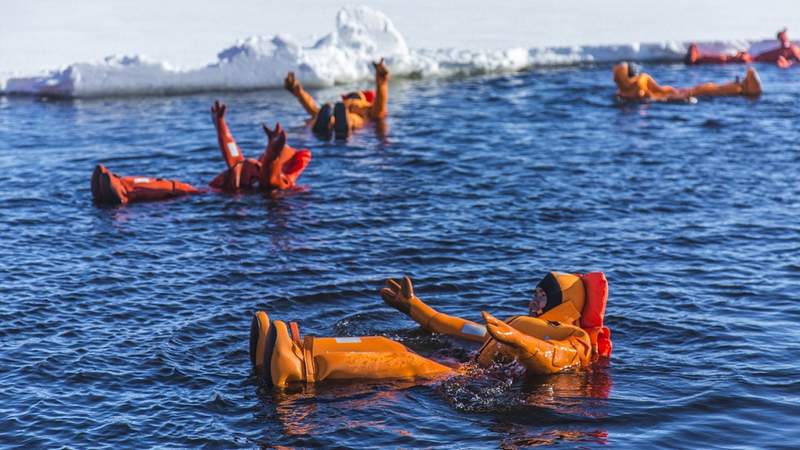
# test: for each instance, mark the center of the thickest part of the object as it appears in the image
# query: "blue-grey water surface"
(127, 327)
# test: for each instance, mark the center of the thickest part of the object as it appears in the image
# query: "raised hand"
(278, 132)
(398, 295)
(290, 83)
(276, 142)
(381, 71)
(218, 110)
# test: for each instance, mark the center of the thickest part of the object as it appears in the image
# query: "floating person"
(567, 299)
(278, 167)
(564, 331)
(635, 85)
(352, 112)
(784, 56)
(693, 56)
(111, 189)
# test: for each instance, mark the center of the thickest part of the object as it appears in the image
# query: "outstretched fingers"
(392, 294)
(390, 290)
(388, 295)
(272, 133)
(408, 287)
(392, 284)
(218, 109)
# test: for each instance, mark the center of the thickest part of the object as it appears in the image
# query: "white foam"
(362, 35)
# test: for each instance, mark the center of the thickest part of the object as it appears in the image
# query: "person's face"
(538, 302)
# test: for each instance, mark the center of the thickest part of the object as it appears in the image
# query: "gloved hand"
(276, 140)
(399, 295)
(503, 332)
(218, 111)
(290, 83)
(381, 71)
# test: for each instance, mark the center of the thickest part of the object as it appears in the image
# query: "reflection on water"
(511, 408)
(294, 410)
(304, 409)
(573, 393)
(521, 439)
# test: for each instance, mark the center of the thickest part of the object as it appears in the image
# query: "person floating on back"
(278, 167)
(784, 56)
(634, 85)
(352, 112)
(563, 331)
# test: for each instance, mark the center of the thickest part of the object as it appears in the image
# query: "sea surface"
(127, 327)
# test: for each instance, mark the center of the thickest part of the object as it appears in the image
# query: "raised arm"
(292, 84)
(227, 145)
(380, 107)
(400, 295)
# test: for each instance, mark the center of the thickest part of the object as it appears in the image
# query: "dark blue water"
(128, 327)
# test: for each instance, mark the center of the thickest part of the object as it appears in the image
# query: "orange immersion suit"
(644, 88)
(548, 344)
(280, 356)
(278, 167)
(360, 107)
(108, 188)
(568, 334)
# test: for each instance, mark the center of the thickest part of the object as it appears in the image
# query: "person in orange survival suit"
(278, 167)
(783, 56)
(111, 189)
(545, 344)
(352, 112)
(632, 84)
(564, 307)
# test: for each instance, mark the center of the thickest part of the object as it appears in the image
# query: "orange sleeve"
(227, 144)
(442, 323)
(654, 88)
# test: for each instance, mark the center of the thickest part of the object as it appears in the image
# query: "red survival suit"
(784, 56)
(278, 167)
(108, 188)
